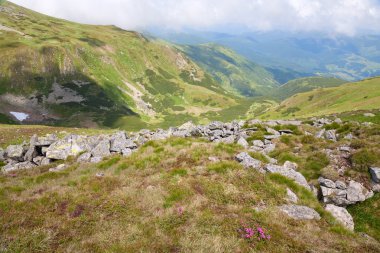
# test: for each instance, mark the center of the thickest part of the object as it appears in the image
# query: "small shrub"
(363, 159)
(332, 126)
(308, 139)
(357, 144)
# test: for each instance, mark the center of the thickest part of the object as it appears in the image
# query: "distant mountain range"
(301, 54)
(58, 72)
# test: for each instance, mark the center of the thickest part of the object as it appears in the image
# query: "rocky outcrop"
(341, 194)
(341, 215)
(300, 212)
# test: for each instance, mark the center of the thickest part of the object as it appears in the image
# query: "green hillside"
(363, 95)
(305, 84)
(234, 72)
(64, 73)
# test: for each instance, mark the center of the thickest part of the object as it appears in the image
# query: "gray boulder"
(59, 168)
(18, 166)
(243, 142)
(300, 212)
(258, 143)
(289, 173)
(32, 150)
(46, 140)
(331, 135)
(341, 215)
(15, 152)
(71, 145)
(326, 182)
(102, 149)
(118, 142)
(356, 192)
(375, 174)
(248, 162)
(127, 152)
(215, 125)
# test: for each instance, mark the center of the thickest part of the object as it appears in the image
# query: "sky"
(347, 17)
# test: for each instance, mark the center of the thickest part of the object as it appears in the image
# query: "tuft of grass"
(108, 163)
(222, 167)
(367, 216)
(363, 159)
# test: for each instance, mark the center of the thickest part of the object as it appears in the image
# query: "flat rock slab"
(300, 212)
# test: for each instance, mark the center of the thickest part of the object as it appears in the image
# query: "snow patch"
(20, 116)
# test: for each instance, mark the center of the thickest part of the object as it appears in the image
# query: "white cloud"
(332, 16)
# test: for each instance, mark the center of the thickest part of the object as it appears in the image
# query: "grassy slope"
(305, 84)
(166, 197)
(233, 71)
(363, 95)
(46, 49)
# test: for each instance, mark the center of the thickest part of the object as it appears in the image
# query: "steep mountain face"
(363, 95)
(305, 84)
(289, 56)
(59, 72)
(234, 72)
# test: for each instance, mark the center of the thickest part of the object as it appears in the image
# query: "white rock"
(341, 215)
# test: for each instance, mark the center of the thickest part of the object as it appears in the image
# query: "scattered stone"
(331, 135)
(118, 142)
(45, 161)
(341, 215)
(258, 143)
(15, 152)
(242, 142)
(375, 174)
(213, 159)
(285, 131)
(291, 196)
(18, 166)
(300, 212)
(99, 175)
(271, 137)
(46, 141)
(290, 165)
(348, 136)
(248, 162)
(326, 182)
(272, 131)
(368, 114)
(59, 168)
